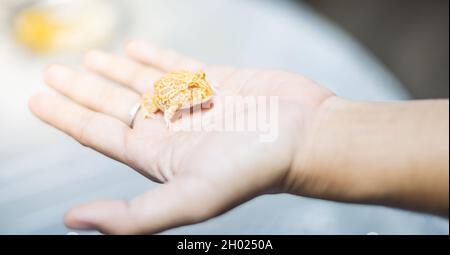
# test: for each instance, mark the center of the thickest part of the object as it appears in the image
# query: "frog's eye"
(193, 85)
(200, 75)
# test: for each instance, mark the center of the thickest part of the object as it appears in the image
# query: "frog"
(177, 90)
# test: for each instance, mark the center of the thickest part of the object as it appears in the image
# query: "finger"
(98, 131)
(164, 59)
(92, 93)
(173, 204)
(122, 70)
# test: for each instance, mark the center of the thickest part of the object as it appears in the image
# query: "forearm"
(394, 154)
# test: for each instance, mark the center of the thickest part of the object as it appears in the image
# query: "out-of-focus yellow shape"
(71, 25)
(36, 29)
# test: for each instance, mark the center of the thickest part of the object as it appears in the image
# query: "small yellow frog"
(177, 90)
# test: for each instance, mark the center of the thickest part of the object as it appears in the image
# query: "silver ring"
(133, 113)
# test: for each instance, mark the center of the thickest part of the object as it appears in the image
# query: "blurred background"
(410, 39)
(361, 49)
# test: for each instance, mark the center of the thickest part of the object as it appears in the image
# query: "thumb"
(169, 205)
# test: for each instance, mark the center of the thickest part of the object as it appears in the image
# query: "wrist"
(324, 165)
(391, 153)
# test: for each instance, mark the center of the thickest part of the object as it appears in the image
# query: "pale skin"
(392, 153)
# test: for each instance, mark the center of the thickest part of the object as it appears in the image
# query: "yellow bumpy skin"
(177, 90)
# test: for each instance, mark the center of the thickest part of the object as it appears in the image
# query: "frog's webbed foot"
(150, 113)
(148, 103)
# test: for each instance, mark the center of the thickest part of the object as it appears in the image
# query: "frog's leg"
(169, 113)
(151, 108)
(198, 77)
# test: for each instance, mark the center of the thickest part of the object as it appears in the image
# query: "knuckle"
(83, 132)
(104, 96)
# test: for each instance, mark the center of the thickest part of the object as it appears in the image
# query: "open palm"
(203, 173)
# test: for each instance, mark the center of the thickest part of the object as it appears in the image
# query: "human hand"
(203, 173)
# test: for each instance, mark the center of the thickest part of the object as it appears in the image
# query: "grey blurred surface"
(43, 173)
(410, 37)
